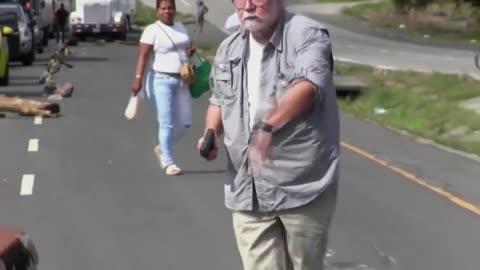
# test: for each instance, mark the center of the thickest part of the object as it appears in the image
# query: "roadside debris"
(50, 86)
(379, 111)
(387, 262)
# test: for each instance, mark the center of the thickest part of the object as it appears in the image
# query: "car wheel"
(27, 60)
(5, 80)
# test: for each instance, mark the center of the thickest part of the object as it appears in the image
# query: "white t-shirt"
(166, 57)
(254, 68)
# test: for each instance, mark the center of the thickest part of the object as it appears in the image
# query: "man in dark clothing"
(61, 18)
(202, 9)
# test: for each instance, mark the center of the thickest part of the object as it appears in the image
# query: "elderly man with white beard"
(273, 100)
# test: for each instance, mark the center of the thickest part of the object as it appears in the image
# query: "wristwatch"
(263, 126)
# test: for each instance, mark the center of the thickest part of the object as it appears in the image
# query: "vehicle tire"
(45, 37)
(72, 41)
(123, 36)
(79, 37)
(27, 60)
(5, 80)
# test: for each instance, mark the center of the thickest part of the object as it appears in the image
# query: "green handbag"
(202, 70)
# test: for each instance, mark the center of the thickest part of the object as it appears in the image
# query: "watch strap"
(264, 126)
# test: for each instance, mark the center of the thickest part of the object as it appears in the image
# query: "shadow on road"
(21, 77)
(203, 172)
(24, 83)
(22, 94)
(345, 94)
(87, 59)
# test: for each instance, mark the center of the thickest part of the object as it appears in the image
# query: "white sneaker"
(158, 153)
(173, 169)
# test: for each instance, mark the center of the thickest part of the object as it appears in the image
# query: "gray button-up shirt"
(305, 152)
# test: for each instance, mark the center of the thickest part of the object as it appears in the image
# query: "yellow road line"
(412, 177)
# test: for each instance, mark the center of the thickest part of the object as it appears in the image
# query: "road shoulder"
(331, 15)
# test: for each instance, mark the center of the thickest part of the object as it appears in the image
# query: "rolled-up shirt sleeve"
(314, 61)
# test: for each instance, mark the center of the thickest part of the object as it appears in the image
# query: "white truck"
(101, 17)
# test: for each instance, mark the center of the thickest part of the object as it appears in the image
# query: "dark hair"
(171, 1)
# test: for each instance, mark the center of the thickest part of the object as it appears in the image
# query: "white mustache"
(248, 16)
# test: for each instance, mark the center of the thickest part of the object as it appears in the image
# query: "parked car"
(5, 31)
(38, 35)
(21, 43)
(33, 10)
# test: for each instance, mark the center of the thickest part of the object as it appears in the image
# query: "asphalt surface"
(356, 42)
(100, 200)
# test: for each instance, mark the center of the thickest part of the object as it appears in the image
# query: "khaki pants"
(294, 239)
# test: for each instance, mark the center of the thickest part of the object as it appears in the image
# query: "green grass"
(207, 51)
(360, 10)
(146, 15)
(422, 104)
(383, 14)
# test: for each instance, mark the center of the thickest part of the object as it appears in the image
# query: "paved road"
(355, 46)
(100, 200)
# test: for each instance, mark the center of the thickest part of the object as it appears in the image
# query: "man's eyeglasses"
(242, 3)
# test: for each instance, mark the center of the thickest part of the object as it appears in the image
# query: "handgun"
(208, 143)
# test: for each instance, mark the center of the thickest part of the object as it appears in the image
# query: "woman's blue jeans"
(172, 101)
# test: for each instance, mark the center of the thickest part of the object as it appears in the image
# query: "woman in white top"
(170, 45)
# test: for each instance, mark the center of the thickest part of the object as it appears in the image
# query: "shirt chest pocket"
(283, 79)
(227, 78)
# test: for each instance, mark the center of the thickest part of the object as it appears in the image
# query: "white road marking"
(186, 3)
(38, 120)
(27, 184)
(33, 145)
(348, 60)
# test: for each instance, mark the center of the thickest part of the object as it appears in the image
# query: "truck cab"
(101, 17)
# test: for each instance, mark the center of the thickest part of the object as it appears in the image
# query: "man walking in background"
(202, 10)
(61, 18)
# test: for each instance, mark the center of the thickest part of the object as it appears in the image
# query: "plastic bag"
(133, 106)
(201, 84)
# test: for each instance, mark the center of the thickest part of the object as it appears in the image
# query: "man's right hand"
(136, 86)
(213, 154)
